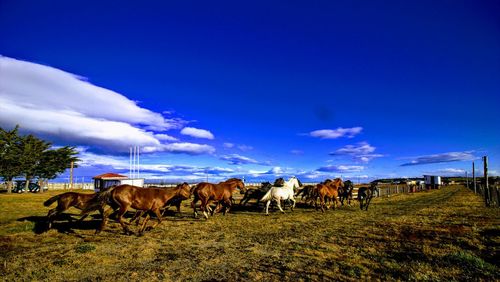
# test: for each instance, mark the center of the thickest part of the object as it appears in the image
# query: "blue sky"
(259, 89)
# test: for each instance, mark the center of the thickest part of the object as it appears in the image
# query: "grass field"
(443, 234)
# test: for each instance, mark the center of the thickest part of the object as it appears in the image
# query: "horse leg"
(121, 212)
(52, 213)
(143, 226)
(243, 199)
(293, 203)
(336, 203)
(104, 215)
(368, 200)
(178, 206)
(204, 207)
(158, 216)
(227, 206)
(279, 205)
(136, 218)
(267, 206)
(193, 205)
(322, 203)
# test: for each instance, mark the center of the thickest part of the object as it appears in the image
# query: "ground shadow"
(63, 223)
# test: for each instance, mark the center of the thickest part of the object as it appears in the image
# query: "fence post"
(486, 190)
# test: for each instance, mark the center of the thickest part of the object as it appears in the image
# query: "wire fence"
(490, 194)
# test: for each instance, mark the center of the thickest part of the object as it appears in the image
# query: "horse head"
(238, 183)
(294, 182)
(184, 189)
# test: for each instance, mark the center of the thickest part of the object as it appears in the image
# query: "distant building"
(432, 181)
(106, 180)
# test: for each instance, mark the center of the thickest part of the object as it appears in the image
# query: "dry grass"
(439, 235)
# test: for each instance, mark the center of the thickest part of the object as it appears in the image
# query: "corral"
(444, 234)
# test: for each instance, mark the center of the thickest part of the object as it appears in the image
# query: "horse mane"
(300, 183)
(326, 181)
(232, 180)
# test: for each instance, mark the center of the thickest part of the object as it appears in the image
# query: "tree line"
(31, 158)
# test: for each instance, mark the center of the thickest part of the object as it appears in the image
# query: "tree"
(54, 162)
(31, 156)
(10, 150)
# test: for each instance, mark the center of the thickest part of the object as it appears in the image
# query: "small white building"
(106, 180)
(432, 181)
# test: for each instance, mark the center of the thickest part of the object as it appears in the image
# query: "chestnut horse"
(66, 201)
(221, 193)
(141, 199)
(183, 193)
(328, 191)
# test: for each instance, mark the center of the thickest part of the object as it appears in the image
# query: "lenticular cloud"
(55, 103)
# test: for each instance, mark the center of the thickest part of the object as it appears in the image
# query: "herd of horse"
(213, 198)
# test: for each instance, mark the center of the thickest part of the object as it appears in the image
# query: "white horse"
(281, 193)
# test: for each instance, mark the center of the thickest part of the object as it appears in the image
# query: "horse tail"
(267, 196)
(99, 200)
(51, 200)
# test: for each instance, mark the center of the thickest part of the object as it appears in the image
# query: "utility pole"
(71, 176)
(474, 177)
(486, 188)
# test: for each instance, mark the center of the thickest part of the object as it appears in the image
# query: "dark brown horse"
(365, 195)
(328, 191)
(256, 193)
(138, 198)
(345, 193)
(307, 193)
(221, 194)
(66, 201)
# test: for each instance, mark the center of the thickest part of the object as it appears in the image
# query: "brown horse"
(328, 191)
(138, 198)
(221, 194)
(66, 201)
(183, 193)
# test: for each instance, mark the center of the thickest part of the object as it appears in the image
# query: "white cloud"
(361, 148)
(442, 158)
(228, 145)
(236, 159)
(341, 168)
(59, 104)
(245, 148)
(297, 152)
(361, 152)
(197, 133)
(165, 137)
(181, 147)
(336, 133)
